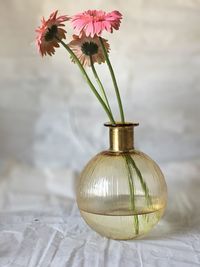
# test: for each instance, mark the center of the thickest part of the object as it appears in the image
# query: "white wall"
(48, 116)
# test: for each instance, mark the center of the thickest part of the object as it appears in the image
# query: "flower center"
(51, 33)
(89, 48)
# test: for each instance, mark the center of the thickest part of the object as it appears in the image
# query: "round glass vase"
(121, 193)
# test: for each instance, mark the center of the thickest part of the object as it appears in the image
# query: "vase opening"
(121, 136)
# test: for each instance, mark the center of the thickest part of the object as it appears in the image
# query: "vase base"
(123, 227)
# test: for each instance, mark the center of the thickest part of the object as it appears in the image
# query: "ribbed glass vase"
(121, 192)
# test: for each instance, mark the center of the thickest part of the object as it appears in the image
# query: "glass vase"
(121, 192)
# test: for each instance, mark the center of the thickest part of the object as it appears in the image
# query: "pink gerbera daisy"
(87, 47)
(94, 22)
(50, 29)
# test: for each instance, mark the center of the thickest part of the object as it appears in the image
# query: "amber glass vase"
(121, 192)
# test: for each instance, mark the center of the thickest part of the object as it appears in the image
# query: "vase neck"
(121, 137)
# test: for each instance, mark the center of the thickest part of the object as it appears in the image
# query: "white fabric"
(40, 224)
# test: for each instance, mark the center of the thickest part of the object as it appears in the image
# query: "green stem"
(86, 77)
(114, 80)
(142, 182)
(132, 195)
(104, 96)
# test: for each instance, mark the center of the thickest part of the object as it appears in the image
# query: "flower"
(85, 47)
(94, 22)
(50, 29)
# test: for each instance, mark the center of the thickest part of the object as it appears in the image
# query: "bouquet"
(86, 48)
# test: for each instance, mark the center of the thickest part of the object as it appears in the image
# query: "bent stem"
(132, 195)
(86, 77)
(131, 165)
(114, 80)
(142, 182)
(100, 84)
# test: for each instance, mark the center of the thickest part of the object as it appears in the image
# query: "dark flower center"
(89, 48)
(51, 33)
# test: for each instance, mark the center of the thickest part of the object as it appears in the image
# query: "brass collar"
(121, 136)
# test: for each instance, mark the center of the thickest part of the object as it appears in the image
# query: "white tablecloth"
(40, 224)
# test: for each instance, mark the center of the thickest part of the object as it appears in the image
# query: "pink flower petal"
(94, 22)
(76, 46)
(47, 47)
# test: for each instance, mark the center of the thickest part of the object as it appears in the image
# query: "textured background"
(51, 124)
(48, 116)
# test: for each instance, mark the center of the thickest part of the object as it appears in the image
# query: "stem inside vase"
(122, 141)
